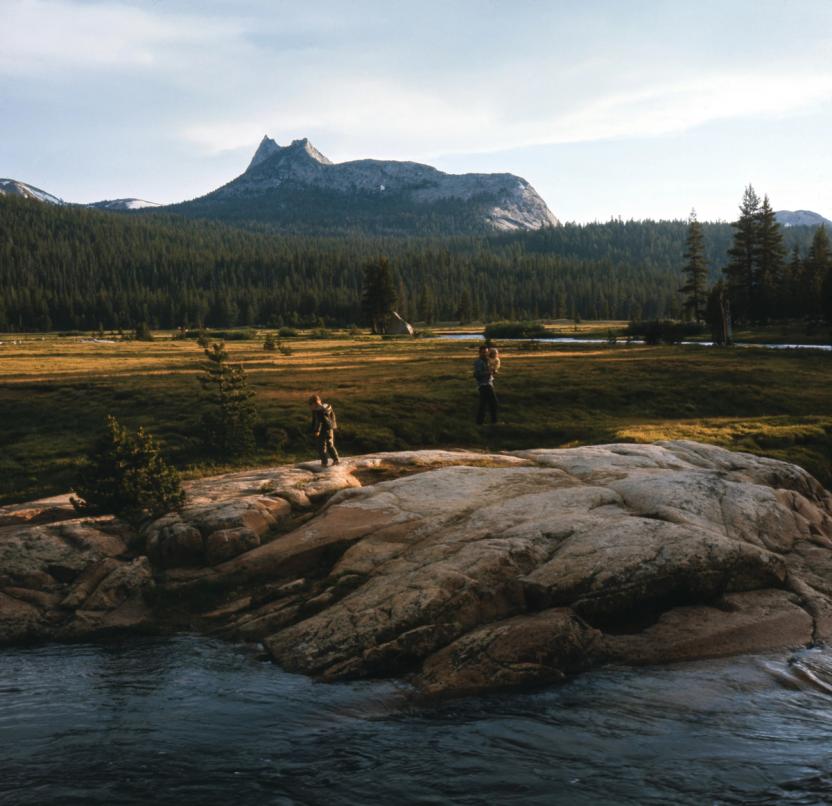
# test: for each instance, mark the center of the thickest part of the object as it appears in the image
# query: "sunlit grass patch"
(390, 395)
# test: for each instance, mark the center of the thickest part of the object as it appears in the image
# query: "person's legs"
(482, 405)
(492, 404)
(330, 443)
(322, 449)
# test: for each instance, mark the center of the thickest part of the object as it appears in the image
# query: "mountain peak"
(298, 187)
(303, 145)
(266, 148)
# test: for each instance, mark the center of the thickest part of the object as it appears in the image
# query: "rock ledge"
(464, 571)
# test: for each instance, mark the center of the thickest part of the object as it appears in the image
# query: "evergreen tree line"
(64, 268)
(762, 279)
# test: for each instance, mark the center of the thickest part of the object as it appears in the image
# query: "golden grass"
(396, 394)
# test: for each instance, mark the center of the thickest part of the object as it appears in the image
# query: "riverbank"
(397, 394)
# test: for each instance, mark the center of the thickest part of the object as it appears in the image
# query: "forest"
(68, 268)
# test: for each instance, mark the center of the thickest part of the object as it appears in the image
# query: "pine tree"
(126, 475)
(826, 299)
(378, 295)
(464, 311)
(427, 305)
(740, 271)
(790, 287)
(695, 270)
(769, 258)
(817, 265)
(718, 314)
(230, 415)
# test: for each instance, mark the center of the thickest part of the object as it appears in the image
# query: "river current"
(192, 720)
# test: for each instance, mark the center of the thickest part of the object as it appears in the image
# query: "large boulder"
(69, 579)
(684, 545)
(462, 570)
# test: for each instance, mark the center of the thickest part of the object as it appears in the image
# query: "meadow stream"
(188, 719)
(624, 341)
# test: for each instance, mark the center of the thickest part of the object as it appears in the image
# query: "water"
(587, 340)
(192, 720)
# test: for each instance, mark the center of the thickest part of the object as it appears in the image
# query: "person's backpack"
(328, 418)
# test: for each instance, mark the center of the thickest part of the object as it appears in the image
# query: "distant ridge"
(123, 204)
(801, 218)
(12, 187)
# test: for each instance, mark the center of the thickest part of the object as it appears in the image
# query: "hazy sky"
(637, 108)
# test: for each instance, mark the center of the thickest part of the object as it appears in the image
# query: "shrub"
(663, 331)
(142, 332)
(126, 475)
(287, 332)
(269, 343)
(515, 330)
(244, 334)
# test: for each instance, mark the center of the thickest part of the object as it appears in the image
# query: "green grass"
(55, 392)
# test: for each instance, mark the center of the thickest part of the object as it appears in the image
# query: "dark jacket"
(322, 419)
(482, 373)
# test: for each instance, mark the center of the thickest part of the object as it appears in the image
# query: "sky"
(630, 108)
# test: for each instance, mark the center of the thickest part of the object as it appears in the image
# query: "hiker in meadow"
(484, 375)
(323, 428)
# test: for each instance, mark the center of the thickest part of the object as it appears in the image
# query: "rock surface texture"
(381, 195)
(463, 571)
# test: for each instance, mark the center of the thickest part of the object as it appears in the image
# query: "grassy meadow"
(394, 394)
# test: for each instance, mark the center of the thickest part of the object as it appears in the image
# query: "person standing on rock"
(485, 383)
(323, 428)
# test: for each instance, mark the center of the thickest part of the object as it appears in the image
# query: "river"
(189, 719)
(623, 341)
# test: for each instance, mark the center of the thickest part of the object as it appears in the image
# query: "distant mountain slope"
(297, 188)
(123, 204)
(11, 187)
(801, 218)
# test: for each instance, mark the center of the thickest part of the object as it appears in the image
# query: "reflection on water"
(623, 340)
(190, 720)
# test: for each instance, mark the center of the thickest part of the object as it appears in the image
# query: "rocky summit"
(460, 571)
(296, 187)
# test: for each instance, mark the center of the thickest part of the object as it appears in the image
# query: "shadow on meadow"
(392, 395)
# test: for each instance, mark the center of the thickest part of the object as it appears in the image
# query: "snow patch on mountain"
(123, 204)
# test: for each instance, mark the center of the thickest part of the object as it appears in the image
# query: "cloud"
(676, 107)
(43, 36)
(396, 121)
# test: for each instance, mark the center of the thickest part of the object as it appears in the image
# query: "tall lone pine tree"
(739, 273)
(695, 270)
(769, 264)
(230, 414)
